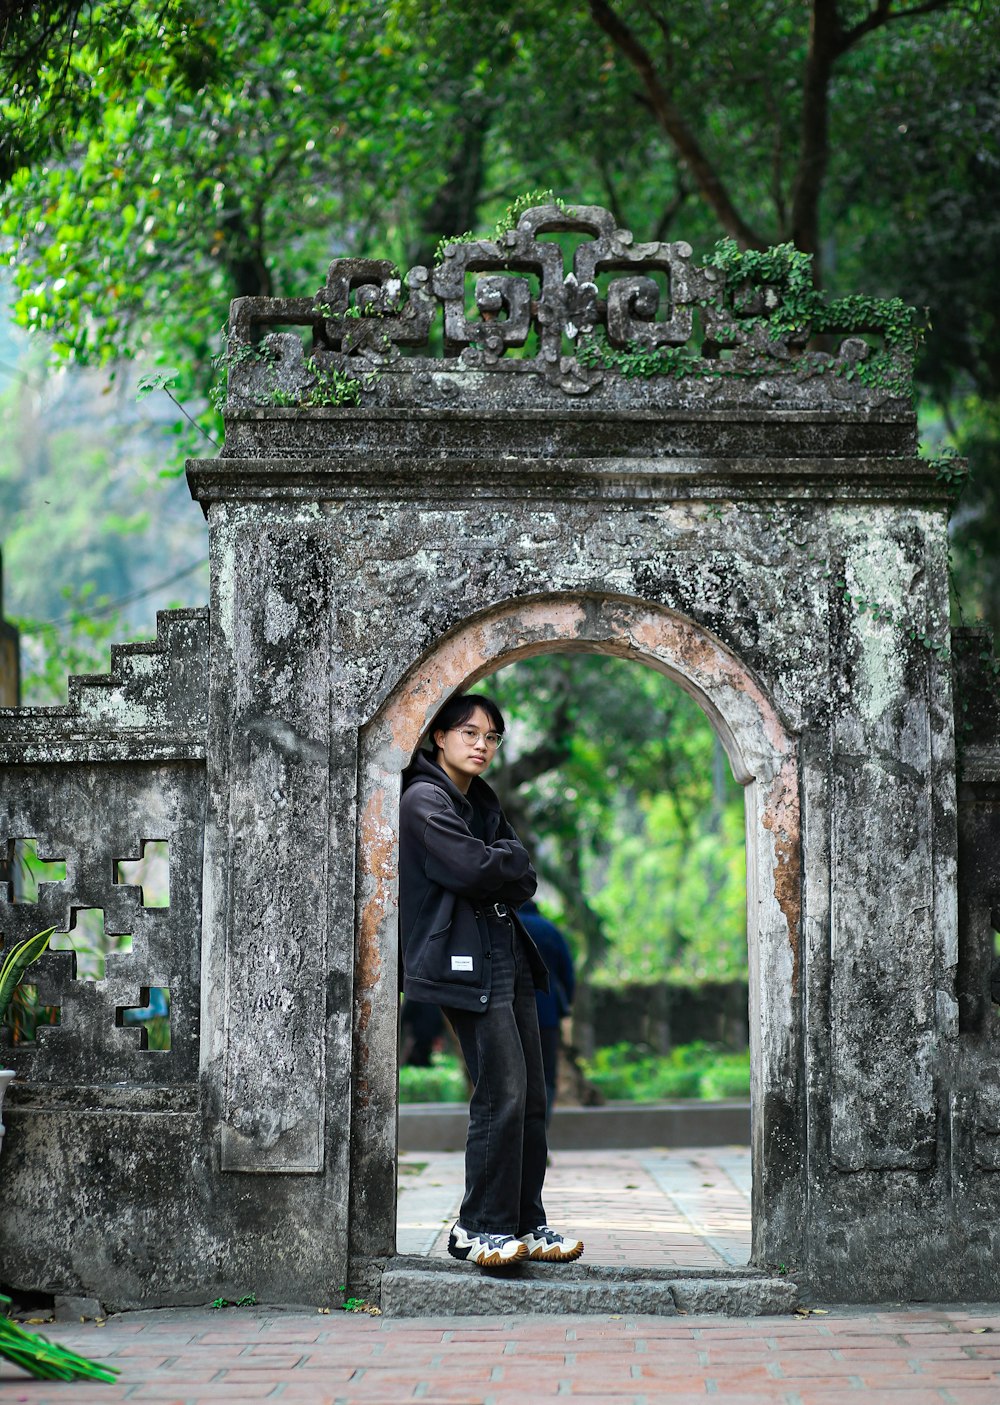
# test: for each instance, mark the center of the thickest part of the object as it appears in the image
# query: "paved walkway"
(921, 1356)
(663, 1209)
(654, 1208)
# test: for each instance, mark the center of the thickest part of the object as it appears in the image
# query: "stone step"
(152, 684)
(415, 1288)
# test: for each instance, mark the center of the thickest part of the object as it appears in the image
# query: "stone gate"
(558, 440)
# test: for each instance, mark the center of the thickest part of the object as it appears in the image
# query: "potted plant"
(15, 963)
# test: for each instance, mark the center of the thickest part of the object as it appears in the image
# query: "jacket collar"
(424, 768)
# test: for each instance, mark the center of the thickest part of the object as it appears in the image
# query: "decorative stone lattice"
(121, 766)
(92, 1041)
(524, 299)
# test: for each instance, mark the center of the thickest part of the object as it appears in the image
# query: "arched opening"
(762, 756)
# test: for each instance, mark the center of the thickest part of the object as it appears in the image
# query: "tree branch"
(535, 763)
(671, 211)
(614, 204)
(828, 40)
(668, 39)
(706, 178)
(884, 14)
(825, 37)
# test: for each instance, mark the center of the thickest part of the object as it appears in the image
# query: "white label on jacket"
(461, 963)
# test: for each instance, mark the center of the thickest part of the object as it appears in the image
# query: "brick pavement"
(686, 1208)
(913, 1356)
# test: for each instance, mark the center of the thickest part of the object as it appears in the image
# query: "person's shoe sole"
(487, 1258)
(495, 1261)
(543, 1253)
(556, 1255)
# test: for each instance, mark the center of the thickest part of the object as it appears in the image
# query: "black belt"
(501, 909)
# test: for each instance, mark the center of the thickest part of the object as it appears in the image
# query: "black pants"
(506, 1150)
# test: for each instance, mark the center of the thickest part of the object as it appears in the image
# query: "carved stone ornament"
(521, 304)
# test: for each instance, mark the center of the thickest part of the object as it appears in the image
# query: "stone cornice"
(450, 477)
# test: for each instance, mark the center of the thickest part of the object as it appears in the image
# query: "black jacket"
(447, 879)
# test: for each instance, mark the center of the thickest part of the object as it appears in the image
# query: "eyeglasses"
(470, 735)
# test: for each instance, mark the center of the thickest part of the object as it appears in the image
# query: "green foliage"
(44, 1360)
(505, 223)
(328, 386)
(166, 381)
(443, 1081)
(893, 319)
(621, 1071)
(282, 399)
(782, 272)
(80, 491)
(638, 361)
(467, 236)
(975, 525)
(508, 220)
(775, 288)
(620, 786)
(158, 1037)
(331, 387)
(700, 1070)
(16, 961)
(80, 644)
(353, 1304)
(953, 472)
(181, 173)
(238, 353)
(87, 938)
(225, 150)
(26, 1013)
(673, 900)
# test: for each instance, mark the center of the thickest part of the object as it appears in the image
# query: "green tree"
(182, 184)
(160, 157)
(231, 150)
(620, 786)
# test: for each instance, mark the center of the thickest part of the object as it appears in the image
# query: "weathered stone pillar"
(278, 930)
(882, 1026)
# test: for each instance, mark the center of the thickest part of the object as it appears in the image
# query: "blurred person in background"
(553, 1004)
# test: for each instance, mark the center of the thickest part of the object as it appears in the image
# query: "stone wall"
(662, 1015)
(754, 523)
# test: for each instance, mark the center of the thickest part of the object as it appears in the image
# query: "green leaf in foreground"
(45, 1360)
(17, 961)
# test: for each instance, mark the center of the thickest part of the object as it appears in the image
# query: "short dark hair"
(457, 711)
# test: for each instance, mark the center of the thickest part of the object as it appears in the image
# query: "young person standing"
(462, 872)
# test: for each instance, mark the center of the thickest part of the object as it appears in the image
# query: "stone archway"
(750, 517)
(763, 757)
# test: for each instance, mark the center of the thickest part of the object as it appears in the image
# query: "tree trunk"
(690, 152)
(455, 207)
(814, 153)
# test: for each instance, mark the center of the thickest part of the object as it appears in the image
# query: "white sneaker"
(486, 1250)
(545, 1245)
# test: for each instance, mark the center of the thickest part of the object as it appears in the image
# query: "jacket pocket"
(435, 915)
(454, 956)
